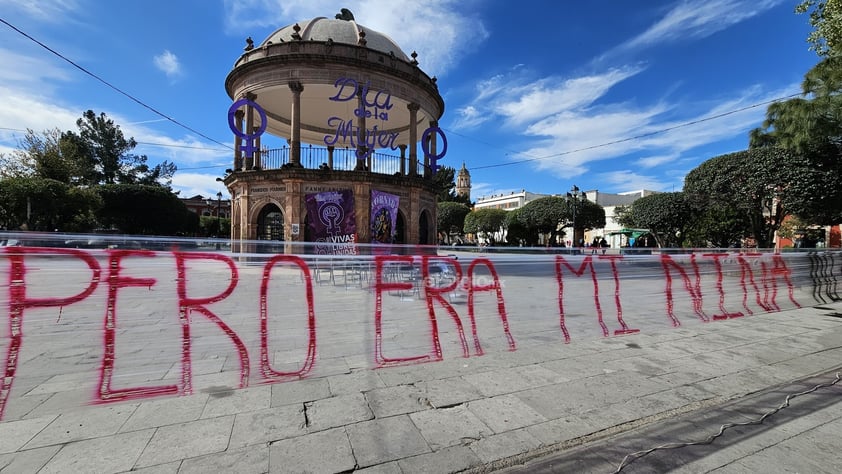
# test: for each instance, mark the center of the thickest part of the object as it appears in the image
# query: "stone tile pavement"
(477, 414)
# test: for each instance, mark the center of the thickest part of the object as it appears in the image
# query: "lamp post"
(218, 209)
(219, 201)
(574, 198)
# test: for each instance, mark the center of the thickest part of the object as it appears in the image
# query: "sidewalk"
(790, 428)
(484, 413)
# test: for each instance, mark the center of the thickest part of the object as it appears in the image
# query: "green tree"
(38, 204)
(589, 215)
(719, 225)
(450, 217)
(668, 216)
(208, 226)
(753, 182)
(103, 155)
(445, 183)
(826, 19)
(98, 154)
(47, 156)
(12, 166)
(486, 222)
(142, 209)
(545, 215)
(812, 121)
(517, 232)
(549, 215)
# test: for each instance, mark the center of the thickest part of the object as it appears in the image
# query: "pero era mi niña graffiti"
(762, 287)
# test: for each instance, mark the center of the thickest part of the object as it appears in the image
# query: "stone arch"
(307, 232)
(424, 228)
(270, 223)
(400, 228)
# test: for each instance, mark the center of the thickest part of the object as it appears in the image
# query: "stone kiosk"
(329, 113)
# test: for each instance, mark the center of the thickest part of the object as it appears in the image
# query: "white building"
(508, 202)
(608, 201)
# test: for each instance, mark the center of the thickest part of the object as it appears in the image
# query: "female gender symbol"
(249, 148)
(425, 146)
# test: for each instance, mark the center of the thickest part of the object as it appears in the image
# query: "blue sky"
(539, 94)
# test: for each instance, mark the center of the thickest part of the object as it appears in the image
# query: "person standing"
(603, 244)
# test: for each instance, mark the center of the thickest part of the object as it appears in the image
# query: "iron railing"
(344, 159)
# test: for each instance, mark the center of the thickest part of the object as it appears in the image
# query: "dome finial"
(345, 14)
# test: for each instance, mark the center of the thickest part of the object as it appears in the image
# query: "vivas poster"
(384, 217)
(332, 222)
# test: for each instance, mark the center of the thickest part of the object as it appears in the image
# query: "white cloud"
(469, 117)
(168, 63)
(653, 161)
(480, 190)
(728, 118)
(520, 100)
(50, 11)
(698, 19)
(435, 29)
(551, 95)
(30, 72)
(573, 142)
(627, 179)
(22, 110)
(191, 184)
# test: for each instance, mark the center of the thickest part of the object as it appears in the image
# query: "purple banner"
(332, 221)
(384, 217)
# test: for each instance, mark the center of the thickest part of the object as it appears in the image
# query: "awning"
(632, 233)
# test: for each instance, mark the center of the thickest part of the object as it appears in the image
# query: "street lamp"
(209, 202)
(575, 198)
(219, 201)
(218, 209)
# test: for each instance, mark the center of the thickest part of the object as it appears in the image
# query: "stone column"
(258, 154)
(403, 159)
(295, 140)
(238, 154)
(249, 159)
(413, 138)
(330, 156)
(362, 208)
(428, 172)
(293, 207)
(412, 227)
(362, 146)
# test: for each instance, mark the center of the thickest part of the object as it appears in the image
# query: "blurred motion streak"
(139, 318)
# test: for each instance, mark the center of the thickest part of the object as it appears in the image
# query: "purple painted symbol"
(425, 146)
(331, 215)
(247, 145)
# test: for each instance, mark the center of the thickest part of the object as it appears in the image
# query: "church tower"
(463, 182)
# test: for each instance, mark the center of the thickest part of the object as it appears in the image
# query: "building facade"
(613, 231)
(328, 118)
(463, 183)
(208, 206)
(508, 202)
(609, 202)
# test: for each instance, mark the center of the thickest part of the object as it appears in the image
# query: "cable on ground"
(639, 454)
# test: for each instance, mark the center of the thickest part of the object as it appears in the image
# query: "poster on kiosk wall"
(333, 222)
(384, 217)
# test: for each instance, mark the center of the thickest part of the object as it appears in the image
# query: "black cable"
(639, 454)
(138, 101)
(510, 163)
(643, 135)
